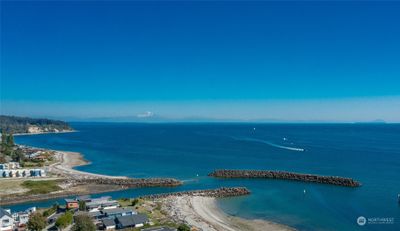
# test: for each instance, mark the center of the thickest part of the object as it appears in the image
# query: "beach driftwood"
(219, 192)
(334, 180)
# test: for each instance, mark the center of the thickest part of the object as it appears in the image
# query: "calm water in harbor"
(369, 153)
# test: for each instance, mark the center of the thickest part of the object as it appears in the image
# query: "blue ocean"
(369, 153)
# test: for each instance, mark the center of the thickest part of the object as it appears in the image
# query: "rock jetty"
(219, 192)
(334, 180)
(129, 182)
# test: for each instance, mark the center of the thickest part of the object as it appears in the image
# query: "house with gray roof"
(136, 220)
(118, 212)
(6, 220)
(108, 223)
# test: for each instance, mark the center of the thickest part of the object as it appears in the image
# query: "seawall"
(216, 193)
(334, 180)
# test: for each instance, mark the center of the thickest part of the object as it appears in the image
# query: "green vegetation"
(83, 223)
(14, 124)
(51, 210)
(8, 150)
(41, 186)
(82, 205)
(64, 220)
(183, 227)
(135, 202)
(6, 146)
(36, 222)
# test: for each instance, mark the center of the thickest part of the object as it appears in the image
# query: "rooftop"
(3, 212)
(132, 220)
(108, 222)
(117, 210)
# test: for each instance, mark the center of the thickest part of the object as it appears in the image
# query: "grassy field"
(10, 186)
(41, 187)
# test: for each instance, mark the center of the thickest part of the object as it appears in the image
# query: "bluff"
(15, 124)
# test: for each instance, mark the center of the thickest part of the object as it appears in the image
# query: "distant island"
(15, 125)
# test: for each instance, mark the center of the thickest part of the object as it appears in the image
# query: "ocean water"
(369, 153)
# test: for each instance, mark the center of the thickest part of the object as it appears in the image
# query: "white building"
(9, 165)
(21, 173)
(20, 218)
(6, 220)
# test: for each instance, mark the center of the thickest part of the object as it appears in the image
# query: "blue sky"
(292, 61)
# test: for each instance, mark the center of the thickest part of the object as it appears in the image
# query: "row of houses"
(10, 221)
(10, 165)
(107, 213)
(22, 173)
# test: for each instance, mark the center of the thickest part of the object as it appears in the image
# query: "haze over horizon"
(201, 61)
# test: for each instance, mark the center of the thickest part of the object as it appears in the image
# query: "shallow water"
(369, 153)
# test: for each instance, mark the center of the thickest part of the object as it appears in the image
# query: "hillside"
(14, 124)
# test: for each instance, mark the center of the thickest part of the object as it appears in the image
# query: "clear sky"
(291, 61)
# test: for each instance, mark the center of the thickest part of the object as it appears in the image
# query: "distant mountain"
(15, 124)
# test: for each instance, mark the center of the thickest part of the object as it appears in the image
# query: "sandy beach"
(68, 160)
(203, 213)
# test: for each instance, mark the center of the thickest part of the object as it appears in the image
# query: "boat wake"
(269, 143)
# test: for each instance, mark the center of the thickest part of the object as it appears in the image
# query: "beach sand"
(203, 213)
(68, 160)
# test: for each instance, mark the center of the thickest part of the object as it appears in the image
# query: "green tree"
(82, 205)
(10, 140)
(4, 140)
(18, 156)
(135, 202)
(64, 220)
(7, 143)
(83, 223)
(36, 222)
(183, 227)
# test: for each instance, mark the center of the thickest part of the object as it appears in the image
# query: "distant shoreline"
(40, 133)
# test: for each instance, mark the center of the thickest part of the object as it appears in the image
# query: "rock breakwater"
(217, 193)
(129, 182)
(334, 180)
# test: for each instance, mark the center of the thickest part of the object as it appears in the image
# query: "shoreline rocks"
(334, 180)
(216, 193)
(129, 182)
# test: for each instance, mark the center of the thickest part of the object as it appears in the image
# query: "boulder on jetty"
(218, 193)
(334, 180)
(129, 182)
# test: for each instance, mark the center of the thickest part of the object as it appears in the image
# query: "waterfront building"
(136, 220)
(118, 212)
(6, 220)
(71, 204)
(20, 218)
(108, 223)
(101, 203)
(20, 173)
(9, 165)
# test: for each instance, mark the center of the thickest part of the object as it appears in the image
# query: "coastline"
(204, 214)
(198, 211)
(66, 163)
(40, 133)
